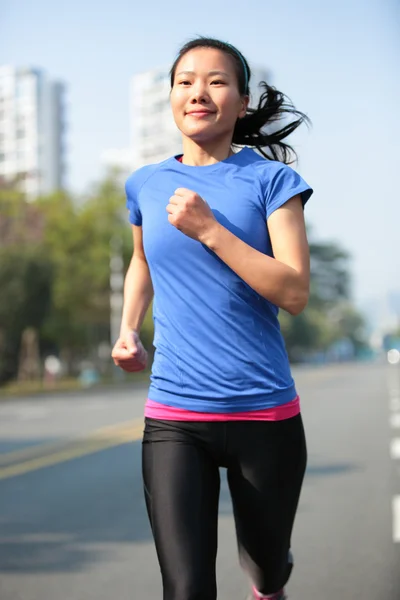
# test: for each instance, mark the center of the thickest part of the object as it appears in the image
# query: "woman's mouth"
(199, 113)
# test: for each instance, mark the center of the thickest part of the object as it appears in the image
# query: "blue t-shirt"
(218, 342)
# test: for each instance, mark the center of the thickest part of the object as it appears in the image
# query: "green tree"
(25, 283)
(330, 276)
(70, 244)
(25, 274)
(329, 315)
(78, 240)
(349, 324)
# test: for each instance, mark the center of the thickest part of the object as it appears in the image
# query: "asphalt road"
(72, 517)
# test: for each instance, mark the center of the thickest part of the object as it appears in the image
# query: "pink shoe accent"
(277, 596)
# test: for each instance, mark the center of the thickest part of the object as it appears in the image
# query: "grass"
(22, 388)
(14, 389)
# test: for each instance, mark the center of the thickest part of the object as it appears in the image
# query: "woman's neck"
(197, 155)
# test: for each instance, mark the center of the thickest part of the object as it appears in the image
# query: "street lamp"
(116, 293)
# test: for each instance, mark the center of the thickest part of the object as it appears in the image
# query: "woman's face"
(205, 97)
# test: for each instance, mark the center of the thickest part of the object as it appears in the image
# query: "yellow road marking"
(51, 453)
(31, 451)
(102, 439)
(36, 450)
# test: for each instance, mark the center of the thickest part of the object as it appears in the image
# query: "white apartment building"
(154, 135)
(31, 130)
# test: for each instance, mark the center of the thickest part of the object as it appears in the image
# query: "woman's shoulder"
(267, 168)
(139, 177)
(279, 180)
(141, 172)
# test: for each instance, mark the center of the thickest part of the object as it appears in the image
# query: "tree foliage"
(55, 277)
(25, 284)
(329, 316)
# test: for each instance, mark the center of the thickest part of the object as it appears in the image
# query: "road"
(72, 517)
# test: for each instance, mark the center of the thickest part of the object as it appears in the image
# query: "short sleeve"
(281, 183)
(132, 204)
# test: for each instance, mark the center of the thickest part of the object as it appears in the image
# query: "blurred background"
(84, 102)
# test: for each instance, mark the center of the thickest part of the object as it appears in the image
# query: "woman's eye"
(184, 82)
(218, 82)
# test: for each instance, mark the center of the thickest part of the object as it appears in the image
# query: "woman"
(220, 238)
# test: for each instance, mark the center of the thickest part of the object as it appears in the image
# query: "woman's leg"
(265, 479)
(182, 484)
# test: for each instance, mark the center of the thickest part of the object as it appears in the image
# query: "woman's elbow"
(297, 301)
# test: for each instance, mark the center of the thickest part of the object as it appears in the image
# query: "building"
(32, 129)
(154, 135)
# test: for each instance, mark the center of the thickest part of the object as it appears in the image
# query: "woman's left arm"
(283, 280)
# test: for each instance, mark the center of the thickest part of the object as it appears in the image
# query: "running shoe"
(278, 596)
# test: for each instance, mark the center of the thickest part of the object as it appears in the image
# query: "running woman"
(220, 241)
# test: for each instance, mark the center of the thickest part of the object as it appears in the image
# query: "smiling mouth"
(200, 113)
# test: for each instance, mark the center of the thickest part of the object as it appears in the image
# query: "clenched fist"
(189, 213)
(129, 352)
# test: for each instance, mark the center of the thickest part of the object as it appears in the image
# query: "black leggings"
(265, 462)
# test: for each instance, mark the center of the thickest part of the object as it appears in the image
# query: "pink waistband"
(155, 410)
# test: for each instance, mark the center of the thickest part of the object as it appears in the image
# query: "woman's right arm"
(128, 352)
(138, 287)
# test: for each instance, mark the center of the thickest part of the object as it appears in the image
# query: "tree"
(64, 244)
(55, 277)
(21, 222)
(78, 240)
(329, 315)
(25, 274)
(330, 277)
(350, 325)
(25, 283)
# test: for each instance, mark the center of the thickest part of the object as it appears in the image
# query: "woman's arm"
(283, 280)
(138, 287)
(128, 352)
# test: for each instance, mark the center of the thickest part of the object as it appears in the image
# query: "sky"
(338, 62)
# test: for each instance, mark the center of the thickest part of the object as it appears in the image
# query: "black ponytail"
(259, 128)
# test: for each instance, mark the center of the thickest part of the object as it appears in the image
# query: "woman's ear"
(245, 104)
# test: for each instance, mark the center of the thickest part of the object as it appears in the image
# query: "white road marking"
(396, 519)
(395, 420)
(395, 448)
(394, 403)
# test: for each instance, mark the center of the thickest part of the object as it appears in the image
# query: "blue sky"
(338, 62)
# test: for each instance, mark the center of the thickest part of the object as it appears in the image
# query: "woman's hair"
(273, 106)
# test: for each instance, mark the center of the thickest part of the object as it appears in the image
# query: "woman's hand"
(189, 213)
(129, 353)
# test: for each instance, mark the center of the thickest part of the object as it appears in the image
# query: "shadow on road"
(8, 446)
(68, 516)
(331, 469)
